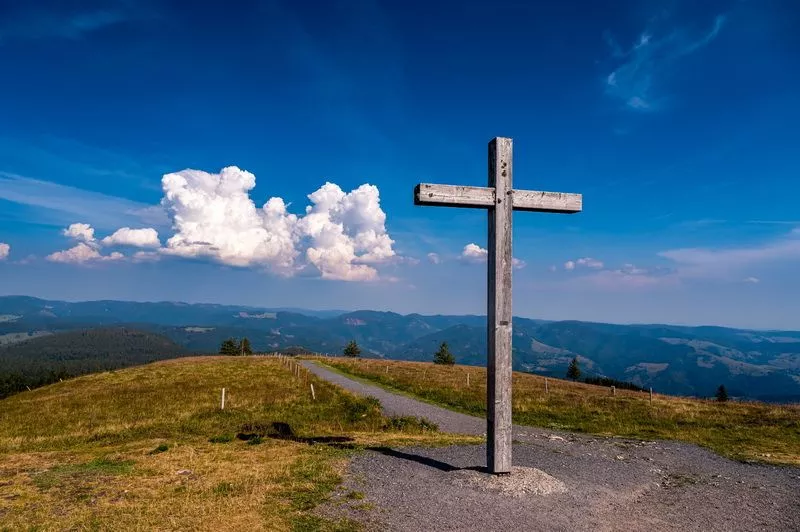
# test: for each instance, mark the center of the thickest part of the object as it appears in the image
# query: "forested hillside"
(47, 359)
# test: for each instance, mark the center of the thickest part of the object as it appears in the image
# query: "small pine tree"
(574, 370)
(244, 347)
(229, 347)
(722, 394)
(352, 349)
(444, 356)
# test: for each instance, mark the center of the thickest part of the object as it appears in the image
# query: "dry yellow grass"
(740, 430)
(84, 454)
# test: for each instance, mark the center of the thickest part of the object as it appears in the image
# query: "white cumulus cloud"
(140, 238)
(434, 258)
(346, 232)
(569, 265)
(5, 249)
(82, 253)
(474, 253)
(342, 235)
(80, 232)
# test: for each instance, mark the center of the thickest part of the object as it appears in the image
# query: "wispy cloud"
(584, 262)
(5, 250)
(65, 20)
(639, 72)
(729, 263)
(98, 209)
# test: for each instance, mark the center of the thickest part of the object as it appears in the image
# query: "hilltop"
(681, 360)
(149, 448)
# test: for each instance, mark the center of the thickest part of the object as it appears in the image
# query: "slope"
(148, 448)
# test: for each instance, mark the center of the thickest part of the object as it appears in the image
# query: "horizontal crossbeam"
(484, 197)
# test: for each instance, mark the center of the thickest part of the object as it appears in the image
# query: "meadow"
(149, 448)
(753, 431)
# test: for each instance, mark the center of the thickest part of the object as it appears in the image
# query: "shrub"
(722, 394)
(574, 370)
(444, 356)
(352, 349)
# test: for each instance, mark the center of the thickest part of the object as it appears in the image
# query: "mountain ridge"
(678, 359)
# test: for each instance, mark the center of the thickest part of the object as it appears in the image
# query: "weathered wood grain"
(498, 390)
(484, 197)
(540, 201)
(453, 196)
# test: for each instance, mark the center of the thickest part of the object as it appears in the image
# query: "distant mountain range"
(672, 359)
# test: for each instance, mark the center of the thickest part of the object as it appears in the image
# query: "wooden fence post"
(222, 406)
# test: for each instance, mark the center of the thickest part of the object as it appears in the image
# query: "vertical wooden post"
(546, 388)
(222, 406)
(614, 391)
(313, 395)
(498, 389)
(467, 380)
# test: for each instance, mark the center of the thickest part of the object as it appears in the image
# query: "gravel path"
(603, 483)
(399, 405)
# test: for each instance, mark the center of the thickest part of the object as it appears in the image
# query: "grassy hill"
(148, 448)
(740, 430)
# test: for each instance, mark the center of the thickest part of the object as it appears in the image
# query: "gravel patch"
(522, 481)
(561, 481)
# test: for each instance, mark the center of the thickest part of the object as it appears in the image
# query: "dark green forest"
(44, 360)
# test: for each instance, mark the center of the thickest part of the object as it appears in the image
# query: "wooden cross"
(500, 199)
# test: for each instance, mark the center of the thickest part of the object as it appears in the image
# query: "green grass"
(63, 475)
(739, 430)
(91, 453)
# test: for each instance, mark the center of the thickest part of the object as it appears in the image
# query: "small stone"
(620, 457)
(183, 472)
(557, 438)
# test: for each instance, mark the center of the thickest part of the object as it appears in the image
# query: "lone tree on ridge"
(352, 349)
(722, 394)
(229, 347)
(574, 370)
(444, 356)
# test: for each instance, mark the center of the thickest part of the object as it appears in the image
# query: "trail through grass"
(148, 448)
(739, 430)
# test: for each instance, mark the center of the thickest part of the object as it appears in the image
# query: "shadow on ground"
(283, 431)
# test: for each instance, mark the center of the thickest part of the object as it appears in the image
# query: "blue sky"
(677, 121)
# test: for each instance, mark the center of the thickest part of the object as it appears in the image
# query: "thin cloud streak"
(640, 70)
(98, 209)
